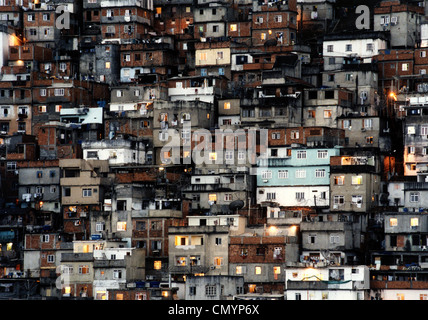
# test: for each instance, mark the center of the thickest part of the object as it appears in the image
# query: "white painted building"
(329, 283)
(338, 48)
(117, 152)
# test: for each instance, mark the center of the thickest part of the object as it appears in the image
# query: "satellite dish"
(237, 204)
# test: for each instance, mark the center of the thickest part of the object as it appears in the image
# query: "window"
(228, 197)
(107, 65)
(339, 200)
(45, 238)
(348, 47)
(322, 154)
(414, 222)
(240, 269)
(218, 241)
(368, 123)
(203, 56)
(311, 114)
(414, 196)
(220, 55)
(327, 114)
(271, 195)
(369, 140)
(294, 135)
(358, 200)
(83, 269)
(357, 180)
(301, 154)
(233, 27)
(282, 174)
(276, 135)
(218, 261)
(346, 124)
(87, 192)
(11, 166)
(405, 67)
(312, 239)
(369, 47)
(334, 239)
(43, 92)
(59, 92)
(267, 174)
(210, 290)
(278, 18)
(99, 226)
(121, 226)
(330, 48)
(300, 196)
(300, 174)
(258, 270)
(320, 173)
(212, 197)
(262, 36)
(117, 274)
(226, 105)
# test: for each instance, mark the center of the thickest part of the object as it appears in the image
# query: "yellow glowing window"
(252, 288)
(240, 269)
(414, 222)
(165, 294)
(276, 270)
(212, 197)
(400, 296)
(119, 296)
(157, 265)
(226, 105)
(357, 180)
(86, 248)
(158, 10)
(263, 36)
(213, 156)
(186, 154)
(67, 290)
(218, 261)
(233, 27)
(107, 65)
(181, 261)
(187, 9)
(258, 270)
(181, 241)
(203, 56)
(121, 226)
(393, 222)
(9, 246)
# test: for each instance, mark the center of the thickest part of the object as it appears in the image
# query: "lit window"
(393, 222)
(212, 197)
(121, 226)
(263, 36)
(218, 261)
(157, 265)
(119, 296)
(276, 270)
(327, 114)
(67, 290)
(357, 179)
(84, 269)
(233, 27)
(226, 105)
(107, 65)
(258, 270)
(213, 156)
(414, 222)
(240, 269)
(203, 56)
(181, 261)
